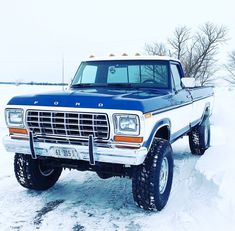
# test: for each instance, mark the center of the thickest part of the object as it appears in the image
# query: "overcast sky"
(35, 34)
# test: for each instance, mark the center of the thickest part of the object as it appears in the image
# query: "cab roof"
(136, 57)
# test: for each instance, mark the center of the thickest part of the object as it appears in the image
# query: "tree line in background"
(18, 83)
(198, 51)
(230, 67)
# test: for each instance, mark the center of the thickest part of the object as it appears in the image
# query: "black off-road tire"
(33, 174)
(199, 138)
(146, 177)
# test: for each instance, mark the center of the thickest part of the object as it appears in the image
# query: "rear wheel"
(151, 183)
(35, 174)
(199, 138)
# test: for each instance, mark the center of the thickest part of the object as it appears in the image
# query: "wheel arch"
(163, 132)
(162, 129)
(206, 113)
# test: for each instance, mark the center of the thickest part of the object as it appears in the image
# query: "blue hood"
(123, 99)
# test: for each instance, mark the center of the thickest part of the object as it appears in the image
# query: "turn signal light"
(130, 139)
(148, 115)
(18, 131)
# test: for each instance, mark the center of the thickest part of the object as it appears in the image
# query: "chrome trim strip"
(178, 106)
(204, 97)
(170, 108)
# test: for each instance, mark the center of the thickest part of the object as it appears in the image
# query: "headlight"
(14, 117)
(126, 124)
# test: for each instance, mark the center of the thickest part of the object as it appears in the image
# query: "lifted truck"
(118, 118)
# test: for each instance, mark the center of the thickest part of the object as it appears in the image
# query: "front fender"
(159, 124)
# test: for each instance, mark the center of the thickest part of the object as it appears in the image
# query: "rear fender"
(206, 113)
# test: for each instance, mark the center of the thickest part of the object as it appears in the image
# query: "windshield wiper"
(120, 85)
(78, 85)
(87, 85)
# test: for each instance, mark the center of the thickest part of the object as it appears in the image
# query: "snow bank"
(218, 163)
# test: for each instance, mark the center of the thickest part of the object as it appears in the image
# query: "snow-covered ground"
(202, 196)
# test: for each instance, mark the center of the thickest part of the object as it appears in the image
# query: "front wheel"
(151, 183)
(35, 174)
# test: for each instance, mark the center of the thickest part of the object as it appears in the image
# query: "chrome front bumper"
(101, 154)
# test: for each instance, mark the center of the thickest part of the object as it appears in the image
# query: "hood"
(144, 100)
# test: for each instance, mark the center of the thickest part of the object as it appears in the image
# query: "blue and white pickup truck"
(118, 118)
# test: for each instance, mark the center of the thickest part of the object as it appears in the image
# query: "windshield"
(141, 73)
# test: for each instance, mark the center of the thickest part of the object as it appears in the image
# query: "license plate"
(69, 153)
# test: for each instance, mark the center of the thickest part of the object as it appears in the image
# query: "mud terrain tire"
(151, 183)
(34, 174)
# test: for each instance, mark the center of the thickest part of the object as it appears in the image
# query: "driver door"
(181, 101)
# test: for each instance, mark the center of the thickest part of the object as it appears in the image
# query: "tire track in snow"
(49, 207)
(78, 227)
(97, 203)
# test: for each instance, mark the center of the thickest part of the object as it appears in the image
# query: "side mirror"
(188, 82)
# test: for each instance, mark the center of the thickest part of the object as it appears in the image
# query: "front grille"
(68, 125)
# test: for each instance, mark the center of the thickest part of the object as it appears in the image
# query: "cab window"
(176, 77)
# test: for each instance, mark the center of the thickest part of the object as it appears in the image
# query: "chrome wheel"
(163, 178)
(45, 170)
